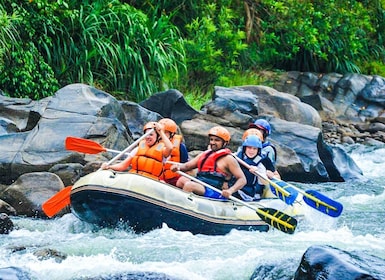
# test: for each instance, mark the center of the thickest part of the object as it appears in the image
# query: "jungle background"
(133, 49)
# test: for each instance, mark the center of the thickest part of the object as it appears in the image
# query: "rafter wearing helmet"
(147, 159)
(215, 167)
(179, 151)
(251, 155)
(268, 152)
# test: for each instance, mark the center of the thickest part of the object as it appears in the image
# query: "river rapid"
(109, 253)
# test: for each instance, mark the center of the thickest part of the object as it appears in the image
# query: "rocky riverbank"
(312, 118)
(351, 106)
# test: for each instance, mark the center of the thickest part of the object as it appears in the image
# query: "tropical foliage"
(133, 49)
(320, 36)
(102, 43)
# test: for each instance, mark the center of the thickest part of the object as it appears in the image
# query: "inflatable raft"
(107, 199)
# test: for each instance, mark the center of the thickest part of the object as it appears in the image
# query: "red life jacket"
(207, 162)
(148, 161)
(174, 156)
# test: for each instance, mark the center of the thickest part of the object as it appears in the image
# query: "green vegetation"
(133, 49)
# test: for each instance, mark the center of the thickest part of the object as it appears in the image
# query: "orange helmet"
(252, 131)
(169, 125)
(220, 132)
(149, 125)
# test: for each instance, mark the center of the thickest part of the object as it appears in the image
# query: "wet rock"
(375, 90)
(7, 209)
(329, 263)
(75, 110)
(68, 173)
(45, 254)
(347, 140)
(283, 106)
(14, 273)
(6, 224)
(170, 104)
(137, 116)
(30, 191)
(15, 249)
(370, 127)
(133, 275)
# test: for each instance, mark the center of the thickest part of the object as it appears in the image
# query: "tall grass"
(116, 47)
(8, 32)
(104, 43)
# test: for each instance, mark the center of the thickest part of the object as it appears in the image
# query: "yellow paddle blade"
(278, 219)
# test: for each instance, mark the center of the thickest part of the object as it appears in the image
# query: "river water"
(105, 253)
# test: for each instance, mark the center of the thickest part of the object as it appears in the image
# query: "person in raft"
(262, 128)
(148, 158)
(179, 151)
(215, 167)
(251, 155)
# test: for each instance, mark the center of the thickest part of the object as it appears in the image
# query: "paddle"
(57, 202)
(283, 191)
(273, 217)
(61, 199)
(129, 148)
(312, 198)
(85, 146)
(320, 202)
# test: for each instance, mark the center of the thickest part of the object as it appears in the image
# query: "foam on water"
(371, 161)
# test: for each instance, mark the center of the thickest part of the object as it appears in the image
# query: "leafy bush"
(213, 46)
(103, 43)
(26, 74)
(320, 36)
(8, 31)
(374, 68)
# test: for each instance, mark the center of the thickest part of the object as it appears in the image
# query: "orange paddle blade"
(57, 202)
(83, 145)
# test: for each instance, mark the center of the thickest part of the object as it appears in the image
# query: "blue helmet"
(252, 141)
(262, 124)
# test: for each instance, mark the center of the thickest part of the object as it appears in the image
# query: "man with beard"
(216, 167)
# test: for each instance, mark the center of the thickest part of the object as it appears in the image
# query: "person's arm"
(123, 165)
(274, 174)
(234, 169)
(167, 143)
(187, 166)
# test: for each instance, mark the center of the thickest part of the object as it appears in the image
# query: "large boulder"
(30, 191)
(170, 104)
(75, 110)
(329, 263)
(284, 106)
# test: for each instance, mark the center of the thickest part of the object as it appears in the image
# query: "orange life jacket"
(148, 161)
(207, 162)
(174, 156)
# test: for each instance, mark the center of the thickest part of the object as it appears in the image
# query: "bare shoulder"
(231, 158)
(229, 161)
